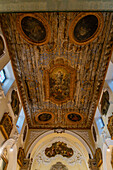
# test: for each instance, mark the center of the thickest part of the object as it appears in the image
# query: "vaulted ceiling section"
(60, 61)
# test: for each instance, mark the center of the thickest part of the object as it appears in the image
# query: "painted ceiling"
(60, 61)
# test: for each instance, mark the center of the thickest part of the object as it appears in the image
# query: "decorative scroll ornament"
(6, 125)
(75, 159)
(110, 125)
(98, 157)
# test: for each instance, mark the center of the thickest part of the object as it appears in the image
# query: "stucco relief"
(41, 157)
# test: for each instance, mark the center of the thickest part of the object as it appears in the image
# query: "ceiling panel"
(60, 62)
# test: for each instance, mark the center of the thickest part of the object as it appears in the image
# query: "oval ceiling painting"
(44, 117)
(86, 27)
(34, 28)
(74, 117)
(1, 46)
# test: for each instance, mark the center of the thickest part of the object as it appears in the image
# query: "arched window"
(105, 103)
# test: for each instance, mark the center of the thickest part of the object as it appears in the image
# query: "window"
(105, 103)
(99, 121)
(2, 76)
(7, 77)
(20, 120)
(110, 83)
(100, 125)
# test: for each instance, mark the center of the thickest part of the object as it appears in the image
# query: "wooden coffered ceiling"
(60, 61)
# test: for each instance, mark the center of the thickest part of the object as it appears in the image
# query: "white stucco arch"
(108, 142)
(52, 132)
(12, 156)
(10, 92)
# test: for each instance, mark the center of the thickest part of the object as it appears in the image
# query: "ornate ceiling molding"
(30, 62)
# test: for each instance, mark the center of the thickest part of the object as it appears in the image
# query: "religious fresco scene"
(59, 148)
(44, 117)
(74, 117)
(59, 84)
(59, 81)
(55, 76)
(85, 28)
(33, 29)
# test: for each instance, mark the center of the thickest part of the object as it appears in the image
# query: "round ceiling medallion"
(74, 117)
(34, 28)
(44, 117)
(85, 27)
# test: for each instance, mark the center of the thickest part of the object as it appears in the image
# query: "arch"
(87, 147)
(10, 92)
(12, 156)
(105, 102)
(107, 143)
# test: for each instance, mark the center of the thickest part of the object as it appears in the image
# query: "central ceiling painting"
(60, 61)
(59, 81)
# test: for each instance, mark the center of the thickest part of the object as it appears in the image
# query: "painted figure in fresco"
(74, 117)
(33, 28)
(59, 148)
(59, 84)
(44, 117)
(85, 28)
